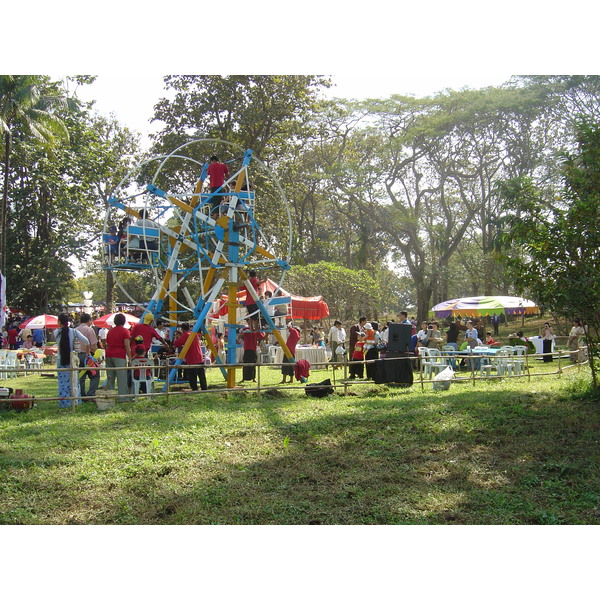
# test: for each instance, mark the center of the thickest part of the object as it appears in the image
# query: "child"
(138, 342)
(357, 366)
(28, 342)
(140, 352)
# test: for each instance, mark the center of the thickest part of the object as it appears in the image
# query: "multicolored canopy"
(484, 305)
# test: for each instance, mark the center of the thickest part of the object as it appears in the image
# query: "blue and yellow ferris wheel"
(198, 245)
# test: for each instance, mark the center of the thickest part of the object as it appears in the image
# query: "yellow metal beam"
(231, 320)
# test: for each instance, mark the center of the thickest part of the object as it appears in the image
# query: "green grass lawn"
(512, 451)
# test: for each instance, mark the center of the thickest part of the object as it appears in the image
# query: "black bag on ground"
(319, 390)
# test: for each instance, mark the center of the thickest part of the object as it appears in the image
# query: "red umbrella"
(109, 320)
(41, 322)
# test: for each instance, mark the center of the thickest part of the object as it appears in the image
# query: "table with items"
(316, 356)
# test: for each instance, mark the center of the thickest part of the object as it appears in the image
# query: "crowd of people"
(83, 345)
(367, 340)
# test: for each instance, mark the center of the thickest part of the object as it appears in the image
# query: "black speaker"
(399, 337)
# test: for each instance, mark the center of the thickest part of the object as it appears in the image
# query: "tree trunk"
(3, 213)
(110, 293)
(423, 297)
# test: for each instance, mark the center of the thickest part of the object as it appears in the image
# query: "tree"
(347, 292)
(561, 246)
(26, 102)
(261, 112)
(57, 203)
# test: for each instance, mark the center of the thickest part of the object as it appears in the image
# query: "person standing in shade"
(357, 365)
(472, 339)
(354, 331)
(65, 338)
(371, 352)
(38, 337)
(471, 335)
(337, 337)
(547, 335)
(13, 337)
(118, 352)
(217, 172)
(452, 334)
(495, 323)
(287, 370)
(194, 358)
(250, 340)
(577, 332)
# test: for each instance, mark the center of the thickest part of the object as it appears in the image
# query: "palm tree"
(26, 102)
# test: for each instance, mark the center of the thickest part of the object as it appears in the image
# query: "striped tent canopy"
(41, 322)
(484, 305)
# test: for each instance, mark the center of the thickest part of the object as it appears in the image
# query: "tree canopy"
(560, 245)
(400, 190)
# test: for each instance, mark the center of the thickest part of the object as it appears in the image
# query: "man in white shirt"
(337, 337)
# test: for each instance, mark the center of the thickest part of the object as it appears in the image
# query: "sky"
(369, 50)
(131, 97)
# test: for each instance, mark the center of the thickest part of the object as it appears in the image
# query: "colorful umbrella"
(109, 320)
(41, 322)
(484, 305)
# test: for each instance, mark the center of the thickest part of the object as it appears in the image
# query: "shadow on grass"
(281, 458)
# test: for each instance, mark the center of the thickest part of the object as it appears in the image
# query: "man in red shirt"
(292, 340)
(13, 335)
(251, 305)
(217, 171)
(118, 352)
(250, 340)
(147, 332)
(193, 357)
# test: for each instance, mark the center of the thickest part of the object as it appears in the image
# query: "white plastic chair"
(3, 373)
(145, 375)
(26, 363)
(519, 359)
(504, 363)
(36, 363)
(11, 364)
(437, 362)
(449, 351)
(423, 353)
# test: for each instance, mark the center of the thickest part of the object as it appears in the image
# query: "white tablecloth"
(315, 356)
(538, 342)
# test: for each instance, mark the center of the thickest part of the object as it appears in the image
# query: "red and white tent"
(109, 320)
(41, 322)
(313, 308)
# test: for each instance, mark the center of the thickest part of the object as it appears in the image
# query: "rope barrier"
(344, 383)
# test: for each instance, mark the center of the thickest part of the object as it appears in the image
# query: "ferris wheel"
(191, 246)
